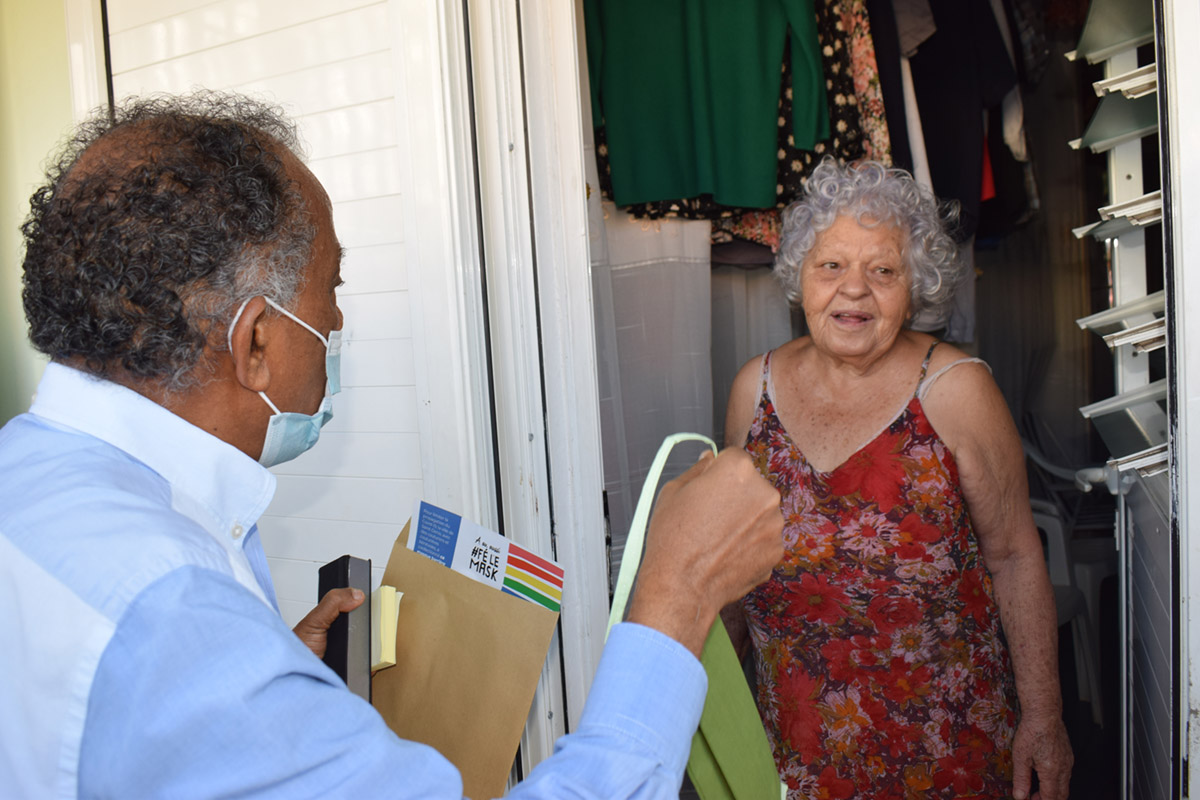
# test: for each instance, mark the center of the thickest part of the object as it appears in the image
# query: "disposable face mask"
(290, 433)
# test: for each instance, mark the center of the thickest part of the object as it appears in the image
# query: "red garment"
(988, 181)
(882, 669)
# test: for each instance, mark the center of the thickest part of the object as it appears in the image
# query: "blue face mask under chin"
(290, 433)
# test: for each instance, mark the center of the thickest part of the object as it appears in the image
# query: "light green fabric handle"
(731, 758)
(641, 516)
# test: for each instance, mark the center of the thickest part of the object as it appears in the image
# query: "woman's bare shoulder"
(963, 402)
(747, 390)
(784, 357)
(749, 371)
(953, 372)
(945, 354)
(743, 398)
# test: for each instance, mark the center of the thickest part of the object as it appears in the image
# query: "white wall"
(332, 66)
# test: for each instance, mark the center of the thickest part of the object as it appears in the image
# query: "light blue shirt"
(142, 654)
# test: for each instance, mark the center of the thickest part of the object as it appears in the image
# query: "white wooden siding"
(1150, 625)
(330, 64)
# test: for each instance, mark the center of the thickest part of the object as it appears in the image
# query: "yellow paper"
(385, 605)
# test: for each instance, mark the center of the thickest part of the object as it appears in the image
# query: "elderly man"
(181, 270)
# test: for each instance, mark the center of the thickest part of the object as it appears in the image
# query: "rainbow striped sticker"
(485, 556)
(534, 578)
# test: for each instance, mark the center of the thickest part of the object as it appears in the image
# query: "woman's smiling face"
(855, 289)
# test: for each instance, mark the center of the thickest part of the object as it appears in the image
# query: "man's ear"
(247, 346)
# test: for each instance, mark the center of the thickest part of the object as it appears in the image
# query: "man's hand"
(314, 628)
(716, 533)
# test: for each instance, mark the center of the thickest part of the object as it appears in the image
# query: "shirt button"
(236, 531)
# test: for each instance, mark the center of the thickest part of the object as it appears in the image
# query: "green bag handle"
(731, 758)
(641, 517)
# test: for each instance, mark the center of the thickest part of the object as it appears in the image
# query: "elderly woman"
(906, 645)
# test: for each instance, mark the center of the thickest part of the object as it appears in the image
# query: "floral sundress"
(882, 669)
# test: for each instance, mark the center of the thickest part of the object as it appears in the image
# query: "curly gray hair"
(874, 194)
(157, 220)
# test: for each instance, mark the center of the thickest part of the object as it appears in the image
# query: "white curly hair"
(875, 195)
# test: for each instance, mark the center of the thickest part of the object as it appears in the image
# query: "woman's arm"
(743, 401)
(739, 414)
(969, 413)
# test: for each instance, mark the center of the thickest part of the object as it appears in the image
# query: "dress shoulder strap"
(925, 384)
(768, 387)
(925, 367)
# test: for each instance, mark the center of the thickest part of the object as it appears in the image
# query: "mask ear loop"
(333, 344)
(274, 407)
(229, 338)
(236, 317)
(296, 319)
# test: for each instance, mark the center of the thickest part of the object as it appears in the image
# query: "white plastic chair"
(1092, 558)
(1071, 606)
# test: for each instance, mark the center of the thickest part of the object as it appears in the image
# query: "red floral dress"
(882, 669)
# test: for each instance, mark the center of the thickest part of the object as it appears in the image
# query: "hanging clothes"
(914, 23)
(761, 227)
(845, 142)
(958, 72)
(1014, 202)
(688, 93)
(916, 136)
(886, 42)
(1011, 205)
(1014, 107)
(792, 161)
(877, 144)
(1027, 21)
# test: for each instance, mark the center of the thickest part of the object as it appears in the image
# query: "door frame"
(533, 200)
(1179, 104)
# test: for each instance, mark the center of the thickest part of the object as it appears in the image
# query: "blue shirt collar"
(216, 478)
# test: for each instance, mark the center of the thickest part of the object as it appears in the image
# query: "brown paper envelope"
(468, 659)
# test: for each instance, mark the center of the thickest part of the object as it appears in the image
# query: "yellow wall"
(35, 113)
